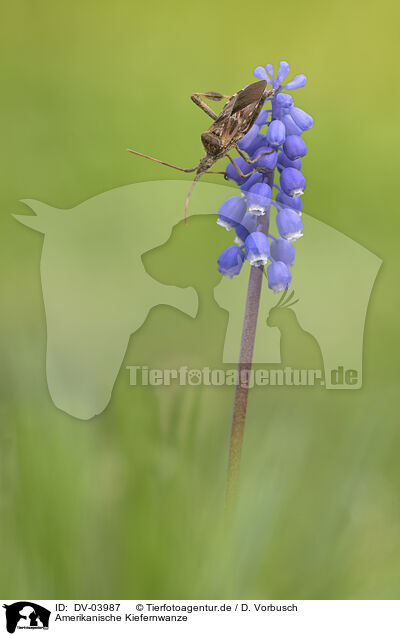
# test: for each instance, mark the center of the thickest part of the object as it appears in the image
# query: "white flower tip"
(294, 236)
(256, 210)
(258, 261)
(224, 224)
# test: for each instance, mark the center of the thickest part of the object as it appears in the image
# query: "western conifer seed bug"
(235, 120)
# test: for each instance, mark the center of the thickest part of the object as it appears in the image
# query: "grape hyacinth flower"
(278, 133)
(257, 177)
(292, 182)
(285, 162)
(289, 224)
(256, 248)
(246, 226)
(295, 203)
(230, 261)
(279, 276)
(231, 212)
(294, 147)
(258, 198)
(283, 250)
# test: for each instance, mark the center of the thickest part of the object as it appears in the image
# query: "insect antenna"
(164, 163)
(197, 177)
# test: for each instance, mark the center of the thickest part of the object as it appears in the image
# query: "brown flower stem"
(244, 368)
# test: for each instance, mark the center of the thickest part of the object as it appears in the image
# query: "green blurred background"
(129, 504)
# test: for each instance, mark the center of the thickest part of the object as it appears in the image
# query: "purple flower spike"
(302, 119)
(259, 198)
(231, 212)
(294, 147)
(247, 225)
(274, 145)
(298, 82)
(295, 203)
(232, 174)
(293, 182)
(279, 276)
(284, 251)
(276, 133)
(256, 248)
(283, 71)
(230, 261)
(291, 126)
(289, 224)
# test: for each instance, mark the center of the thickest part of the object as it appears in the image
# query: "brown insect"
(235, 120)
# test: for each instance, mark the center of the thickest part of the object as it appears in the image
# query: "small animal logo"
(26, 615)
(195, 377)
(298, 347)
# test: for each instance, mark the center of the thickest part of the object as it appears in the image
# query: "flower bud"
(230, 261)
(279, 276)
(246, 141)
(285, 162)
(258, 198)
(293, 182)
(284, 251)
(291, 127)
(262, 118)
(284, 100)
(283, 71)
(298, 82)
(256, 248)
(231, 212)
(289, 224)
(302, 119)
(267, 161)
(294, 147)
(276, 133)
(261, 73)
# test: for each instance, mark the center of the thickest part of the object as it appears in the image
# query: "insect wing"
(250, 95)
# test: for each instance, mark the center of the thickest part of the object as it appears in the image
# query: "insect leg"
(240, 173)
(164, 163)
(252, 160)
(215, 97)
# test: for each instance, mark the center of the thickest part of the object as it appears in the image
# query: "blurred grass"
(129, 505)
